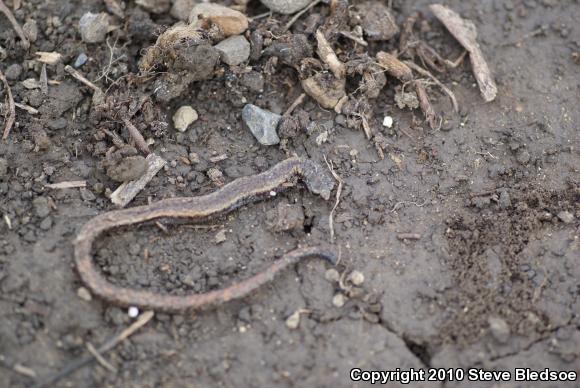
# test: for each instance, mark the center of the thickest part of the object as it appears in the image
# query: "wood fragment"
(354, 38)
(6, 11)
(136, 136)
(110, 344)
(296, 102)
(98, 95)
(409, 236)
(465, 32)
(50, 58)
(338, 194)
(100, 359)
(445, 89)
(27, 108)
(67, 185)
(394, 66)
(129, 190)
(11, 106)
(425, 104)
(328, 56)
(43, 81)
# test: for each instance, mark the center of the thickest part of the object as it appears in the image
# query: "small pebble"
(388, 122)
(262, 124)
(499, 329)
(81, 60)
(155, 6)
(356, 278)
(40, 205)
(286, 6)
(128, 169)
(183, 117)
(94, 27)
(234, 50)
(293, 321)
(338, 300)
(13, 72)
(566, 217)
(133, 312)
(84, 294)
(332, 275)
(220, 237)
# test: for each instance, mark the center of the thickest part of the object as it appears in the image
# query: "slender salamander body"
(237, 193)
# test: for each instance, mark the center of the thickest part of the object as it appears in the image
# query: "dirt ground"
(492, 281)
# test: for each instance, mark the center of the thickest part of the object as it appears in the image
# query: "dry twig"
(98, 95)
(11, 106)
(338, 194)
(466, 33)
(128, 190)
(296, 102)
(137, 137)
(445, 89)
(67, 185)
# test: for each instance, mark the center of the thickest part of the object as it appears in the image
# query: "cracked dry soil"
(493, 281)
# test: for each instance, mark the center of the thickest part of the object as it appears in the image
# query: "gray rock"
(182, 8)
(40, 205)
(13, 72)
(262, 124)
(286, 6)
(566, 217)
(377, 21)
(234, 50)
(253, 81)
(94, 27)
(499, 329)
(81, 60)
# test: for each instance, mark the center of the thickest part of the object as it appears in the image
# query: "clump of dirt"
(491, 274)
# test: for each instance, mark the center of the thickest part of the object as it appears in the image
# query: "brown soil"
(486, 194)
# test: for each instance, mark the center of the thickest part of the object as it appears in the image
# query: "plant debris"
(466, 34)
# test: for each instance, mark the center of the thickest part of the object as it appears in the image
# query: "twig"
(136, 135)
(27, 108)
(128, 190)
(409, 236)
(6, 11)
(98, 95)
(100, 359)
(338, 193)
(296, 102)
(425, 104)
(297, 16)
(445, 89)
(11, 106)
(110, 344)
(66, 185)
(353, 37)
(465, 32)
(394, 209)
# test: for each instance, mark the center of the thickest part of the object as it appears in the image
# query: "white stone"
(388, 122)
(183, 117)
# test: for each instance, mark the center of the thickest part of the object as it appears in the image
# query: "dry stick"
(425, 104)
(445, 89)
(465, 32)
(137, 137)
(12, 107)
(338, 193)
(296, 102)
(6, 11)
(110, 344)
(354, 38)
(297, 16)
(27, 108)
(98, 95)
(100, 359)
